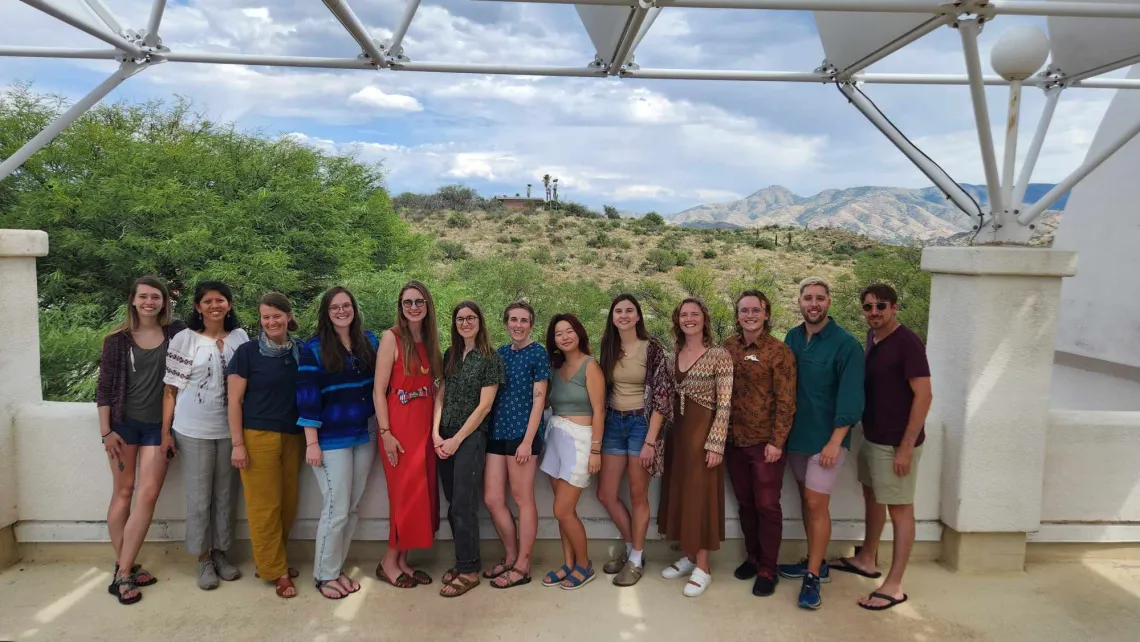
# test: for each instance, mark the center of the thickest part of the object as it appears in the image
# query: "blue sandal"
(553, 580)
(571, 583)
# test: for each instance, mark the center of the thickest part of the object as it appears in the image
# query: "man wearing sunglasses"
(897, 384)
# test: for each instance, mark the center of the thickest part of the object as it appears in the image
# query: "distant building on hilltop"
(520, 204)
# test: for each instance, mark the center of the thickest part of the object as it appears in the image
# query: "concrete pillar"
(993, 313)
(19, 359)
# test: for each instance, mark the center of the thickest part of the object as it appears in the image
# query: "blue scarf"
(271, 349)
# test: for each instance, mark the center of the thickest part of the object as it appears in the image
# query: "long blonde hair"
(429, 330)
(130, 323)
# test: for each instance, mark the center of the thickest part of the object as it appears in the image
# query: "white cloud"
(375, 97)
(477, 165)
(652, 192)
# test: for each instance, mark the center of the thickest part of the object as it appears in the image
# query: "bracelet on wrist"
(315, 443)
(104, 435)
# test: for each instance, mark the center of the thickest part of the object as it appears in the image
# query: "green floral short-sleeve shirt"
(461, 390)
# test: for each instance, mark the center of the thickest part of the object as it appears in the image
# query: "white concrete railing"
(65, 485)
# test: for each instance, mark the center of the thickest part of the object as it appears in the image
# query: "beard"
(814, 317)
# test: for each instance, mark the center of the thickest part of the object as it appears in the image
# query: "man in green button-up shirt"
(829, 400)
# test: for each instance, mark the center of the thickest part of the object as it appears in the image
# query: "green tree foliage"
(611, 212)
(158, 189)
(897, 266)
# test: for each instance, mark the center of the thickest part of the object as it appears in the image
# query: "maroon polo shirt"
(890, 365)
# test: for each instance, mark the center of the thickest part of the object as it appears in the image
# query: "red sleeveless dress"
(413, 492)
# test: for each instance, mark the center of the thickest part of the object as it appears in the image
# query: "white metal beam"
(125, 70)
(1051, 97)
(1052, 196)
(269, 61)
(355, 27)
(969, 31)
(70, 18)
(152, 24)
(625, 43)
(518, 70)
(1012, 124)
(1008, 7)
(53, 52)
(397, 40)
(936, 174)
(100, 8)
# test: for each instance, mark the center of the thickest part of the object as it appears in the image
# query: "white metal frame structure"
(855, 34)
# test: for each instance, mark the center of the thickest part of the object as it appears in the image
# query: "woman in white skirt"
(577, 401)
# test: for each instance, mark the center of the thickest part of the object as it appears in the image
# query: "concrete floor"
(1095, 599)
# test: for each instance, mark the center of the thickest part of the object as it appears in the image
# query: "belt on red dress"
(407, 395)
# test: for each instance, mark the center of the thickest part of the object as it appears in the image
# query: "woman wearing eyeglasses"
(407, 367)
(334, 402)
(472, 374)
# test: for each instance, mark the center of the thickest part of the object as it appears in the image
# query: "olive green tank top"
(569, 398)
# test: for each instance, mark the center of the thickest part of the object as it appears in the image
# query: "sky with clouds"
(636, 144)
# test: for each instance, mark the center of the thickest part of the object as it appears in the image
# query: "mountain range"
(888, 214)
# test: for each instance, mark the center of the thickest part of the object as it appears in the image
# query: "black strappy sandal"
(129, 582)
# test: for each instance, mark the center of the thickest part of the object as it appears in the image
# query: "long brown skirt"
(692, 495)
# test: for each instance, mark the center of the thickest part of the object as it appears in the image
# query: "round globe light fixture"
(1020, 52)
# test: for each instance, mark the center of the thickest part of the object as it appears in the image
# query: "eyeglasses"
(879, 305)
(413, 303)
(466, 320)
(338, 308)
(751, 310)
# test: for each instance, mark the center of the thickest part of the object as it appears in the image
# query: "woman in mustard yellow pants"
(268, 445)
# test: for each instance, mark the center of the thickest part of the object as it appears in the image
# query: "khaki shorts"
(876, 468)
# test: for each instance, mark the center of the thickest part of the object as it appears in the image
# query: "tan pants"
(271, 488)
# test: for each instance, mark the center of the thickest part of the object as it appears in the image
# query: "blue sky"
(635, 144)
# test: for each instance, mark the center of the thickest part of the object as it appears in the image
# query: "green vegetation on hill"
(158, 189)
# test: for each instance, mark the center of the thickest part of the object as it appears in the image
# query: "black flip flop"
(846, 566)
(891, 602)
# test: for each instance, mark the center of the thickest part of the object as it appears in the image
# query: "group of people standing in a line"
(477, 421)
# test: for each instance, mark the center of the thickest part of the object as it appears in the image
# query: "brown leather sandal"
(460, 585)
(283, 584)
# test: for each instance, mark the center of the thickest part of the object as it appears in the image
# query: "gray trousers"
(342, 476)
(211, 492)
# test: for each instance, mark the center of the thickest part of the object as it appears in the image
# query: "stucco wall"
(65, 485)
(1092, 477)
(1100, 222)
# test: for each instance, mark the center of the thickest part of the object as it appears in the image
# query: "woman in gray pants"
(194, 417)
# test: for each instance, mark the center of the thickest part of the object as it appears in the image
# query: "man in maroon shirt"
(898, 396)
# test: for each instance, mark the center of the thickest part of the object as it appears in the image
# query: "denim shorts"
(624, 433)
(139, 433)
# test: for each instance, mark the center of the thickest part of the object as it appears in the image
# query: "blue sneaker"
(809, 593)
(799, 569)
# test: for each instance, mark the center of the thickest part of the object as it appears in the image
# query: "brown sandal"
(503, 567)
(404, 581)
(421, 578)
(450, 575)
(283, 584)
(524, 578)
(460, 584)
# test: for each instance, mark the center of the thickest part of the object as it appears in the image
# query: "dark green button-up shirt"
(829, 386)
(461, 390)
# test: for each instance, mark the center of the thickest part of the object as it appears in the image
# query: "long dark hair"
(430, 332)
(767, 305)
(706, 326)
(195, 321)
(611, 336)
(556, 356)
(458, 344)
(130, 322)
(334, 357)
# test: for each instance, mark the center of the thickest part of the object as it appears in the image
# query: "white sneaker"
(681, 568)
(698, 582)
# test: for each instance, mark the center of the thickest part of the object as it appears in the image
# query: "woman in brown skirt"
(692, 490)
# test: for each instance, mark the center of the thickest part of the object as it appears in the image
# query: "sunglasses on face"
(879, 305)
(413, 303)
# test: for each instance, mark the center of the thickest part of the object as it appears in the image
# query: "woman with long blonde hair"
(129, 397)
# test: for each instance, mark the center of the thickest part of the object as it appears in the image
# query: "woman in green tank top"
(573, 441)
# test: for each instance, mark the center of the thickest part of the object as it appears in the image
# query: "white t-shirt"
(196, 367)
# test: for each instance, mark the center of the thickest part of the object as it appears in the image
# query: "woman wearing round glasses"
(407, 367)
(472, 374)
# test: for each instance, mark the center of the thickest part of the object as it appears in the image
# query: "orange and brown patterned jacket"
(763, 391)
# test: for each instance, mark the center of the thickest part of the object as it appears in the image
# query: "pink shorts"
(809, 473)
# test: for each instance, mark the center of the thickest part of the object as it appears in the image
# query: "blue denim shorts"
(624, 433)
(139, 433)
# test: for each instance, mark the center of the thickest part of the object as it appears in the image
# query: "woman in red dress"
(408, 364)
